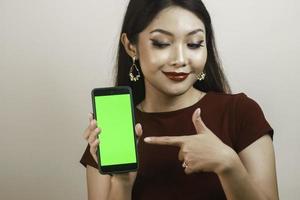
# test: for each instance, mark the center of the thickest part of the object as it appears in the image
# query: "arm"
(121, 187)
(98, 185)
(105, 187)
(251, 174)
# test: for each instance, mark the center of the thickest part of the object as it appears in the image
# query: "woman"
(196, 139)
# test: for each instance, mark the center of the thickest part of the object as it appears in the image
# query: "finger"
(138, 130)
(197, 120)
(93, 135)
(94, 146)
(86, 133)
(91, 116)
(166, 140)
(181, 155)
(93, 124)
(93, 149)
(89, 129)
(188, 170)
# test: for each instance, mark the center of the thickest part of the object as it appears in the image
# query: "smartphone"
(114, 112)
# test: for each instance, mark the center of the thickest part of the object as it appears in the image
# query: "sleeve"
(251, 123)
(87, 158)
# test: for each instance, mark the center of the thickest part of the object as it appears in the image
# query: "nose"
(179, 59)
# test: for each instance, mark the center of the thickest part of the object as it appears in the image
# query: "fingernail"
(147, 139)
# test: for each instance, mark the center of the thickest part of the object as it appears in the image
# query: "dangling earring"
(200, 76)
(131, 75)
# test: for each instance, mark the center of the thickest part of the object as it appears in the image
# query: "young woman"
(196, 139)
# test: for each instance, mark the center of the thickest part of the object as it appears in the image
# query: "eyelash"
(161, 45)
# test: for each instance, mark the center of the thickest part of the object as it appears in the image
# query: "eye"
(196, 45)
(159, 44)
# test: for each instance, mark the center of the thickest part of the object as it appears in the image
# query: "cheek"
(151, 58)
(199, 59)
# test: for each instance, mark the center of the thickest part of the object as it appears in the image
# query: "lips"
(176, 76)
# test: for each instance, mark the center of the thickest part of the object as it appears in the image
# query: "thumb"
(198, 123)
(138, 130)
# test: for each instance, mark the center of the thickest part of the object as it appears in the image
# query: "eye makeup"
(161, 45)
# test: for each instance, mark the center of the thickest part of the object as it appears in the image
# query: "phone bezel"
(120, 168)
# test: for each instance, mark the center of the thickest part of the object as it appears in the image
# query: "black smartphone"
(114, 112)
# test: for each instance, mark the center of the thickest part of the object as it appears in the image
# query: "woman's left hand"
(203, 151)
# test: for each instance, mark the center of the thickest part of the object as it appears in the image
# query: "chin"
(176, 90)
(172, 89)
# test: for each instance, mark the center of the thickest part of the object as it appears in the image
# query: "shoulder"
(230, 100)
(228, 96)
(236, 105)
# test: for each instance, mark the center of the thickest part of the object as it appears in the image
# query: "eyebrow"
(169, 33)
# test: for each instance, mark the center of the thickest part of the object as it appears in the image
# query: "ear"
(130, 48)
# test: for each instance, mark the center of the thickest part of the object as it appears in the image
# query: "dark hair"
(138, 16)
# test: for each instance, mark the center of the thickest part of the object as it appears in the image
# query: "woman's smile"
(176, 76)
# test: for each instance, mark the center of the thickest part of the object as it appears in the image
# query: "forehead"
(176, 20)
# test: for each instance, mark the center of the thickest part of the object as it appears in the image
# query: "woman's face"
(173, 42)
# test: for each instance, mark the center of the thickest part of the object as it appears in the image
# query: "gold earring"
(131, 75)
(200, 76)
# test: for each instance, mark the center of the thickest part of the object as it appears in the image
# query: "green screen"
(114, 117)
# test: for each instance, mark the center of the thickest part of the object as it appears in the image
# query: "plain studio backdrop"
(53, 52)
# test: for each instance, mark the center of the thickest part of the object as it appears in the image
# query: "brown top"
(235, 118)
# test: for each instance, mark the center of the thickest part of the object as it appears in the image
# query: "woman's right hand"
(90, 134)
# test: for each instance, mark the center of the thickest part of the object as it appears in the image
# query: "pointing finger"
(166, 140)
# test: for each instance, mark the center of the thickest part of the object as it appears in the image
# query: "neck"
(157, 101)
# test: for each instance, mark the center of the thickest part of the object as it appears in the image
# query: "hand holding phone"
(91, 135)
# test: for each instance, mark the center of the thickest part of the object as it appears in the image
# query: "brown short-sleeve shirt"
(235, 118)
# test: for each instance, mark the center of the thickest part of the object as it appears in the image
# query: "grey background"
(53, 52)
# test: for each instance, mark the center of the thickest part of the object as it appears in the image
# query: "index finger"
(166, 140)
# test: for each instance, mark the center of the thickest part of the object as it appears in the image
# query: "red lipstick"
(176, 76)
